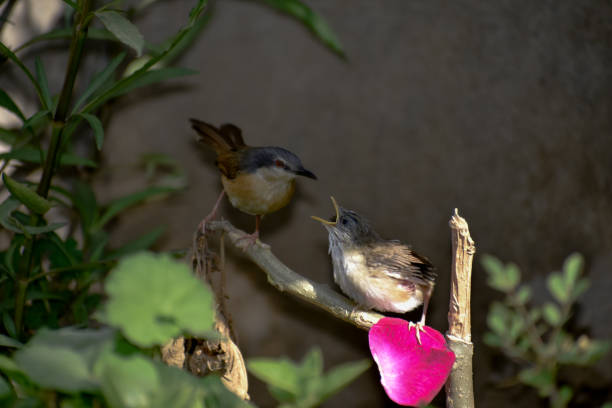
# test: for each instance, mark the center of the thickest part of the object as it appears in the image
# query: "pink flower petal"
(411, 373)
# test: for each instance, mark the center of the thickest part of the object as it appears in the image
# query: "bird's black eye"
(279, 163)
(344, 221)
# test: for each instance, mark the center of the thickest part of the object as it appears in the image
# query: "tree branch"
(286, 280)
(459, 387)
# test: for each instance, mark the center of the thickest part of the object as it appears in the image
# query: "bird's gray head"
(348, 227)
(274, 158)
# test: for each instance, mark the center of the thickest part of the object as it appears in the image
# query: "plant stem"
(20, 297)
(59, 121)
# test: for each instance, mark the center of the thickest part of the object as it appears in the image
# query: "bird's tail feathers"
(227, 138)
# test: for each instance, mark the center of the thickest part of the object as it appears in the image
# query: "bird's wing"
(229, 163)
(400, 262)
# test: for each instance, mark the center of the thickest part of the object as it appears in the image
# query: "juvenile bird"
(377, 273)
(257, 180)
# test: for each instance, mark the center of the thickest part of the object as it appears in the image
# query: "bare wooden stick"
(286, 280)
(459, 387)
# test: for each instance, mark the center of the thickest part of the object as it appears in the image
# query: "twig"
(286, 280)
(220, 354)
(459, 387)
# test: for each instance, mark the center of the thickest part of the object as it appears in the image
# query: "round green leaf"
(153, 298)
(56, 368)
(128, 381)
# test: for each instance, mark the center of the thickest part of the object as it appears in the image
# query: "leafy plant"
(59, 254)
(104, 366)
(535, 336)
(304, 385)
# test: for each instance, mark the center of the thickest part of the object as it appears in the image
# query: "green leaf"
(84, 200)
(517, 326)
(71, 4)
(7, 103)
(37, 119)
(502, 277)
(312, 364)
(98, 80)
(281, 395)
(153, 76)
(498, 318)
(7, 53)
(581, 286)
(30, 198)
(281, 373)
(310, 19)
(563, 397)
(552, 314)
(55, 367)
(154, 298)
(10, 137)
(522, 296)
(98, 241)
(41, 77)
(540, 379)
(493, 340)
(128, 381)
(140, 244)
(8, 206)
(340, 376)
(96, 125)
(6, 341)
(126, 83)
(5, 389)
(513, 276)
(66, 33)
(7, 365)
(572, 268)
(557, 288)
(123, 29)
(123, 203)
(42, 229)
(32, 155)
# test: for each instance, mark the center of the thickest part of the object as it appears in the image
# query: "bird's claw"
(250, 240)
(420, 327)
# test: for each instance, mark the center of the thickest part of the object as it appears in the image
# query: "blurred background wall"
(502, 109)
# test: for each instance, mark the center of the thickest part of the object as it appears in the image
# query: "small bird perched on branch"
(257, 180)
(376, 273)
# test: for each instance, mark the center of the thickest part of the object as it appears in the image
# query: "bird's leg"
(420, 326)
(251, 238)
(212, 214)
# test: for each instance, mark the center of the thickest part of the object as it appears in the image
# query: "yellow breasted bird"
(380, 274)
(257, 180)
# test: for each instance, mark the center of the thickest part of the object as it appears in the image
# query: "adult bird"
(257, 180)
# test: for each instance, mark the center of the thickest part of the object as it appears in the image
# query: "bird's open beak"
(306, 173)
(321, 220)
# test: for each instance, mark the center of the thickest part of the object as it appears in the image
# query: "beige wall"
(499, 108)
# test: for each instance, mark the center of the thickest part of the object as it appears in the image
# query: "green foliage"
(304, 385)
(310, 19)
(29, 198)
(87, 362)
(146, 293)
(535, 335)
(123, 29)
(47, 273)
